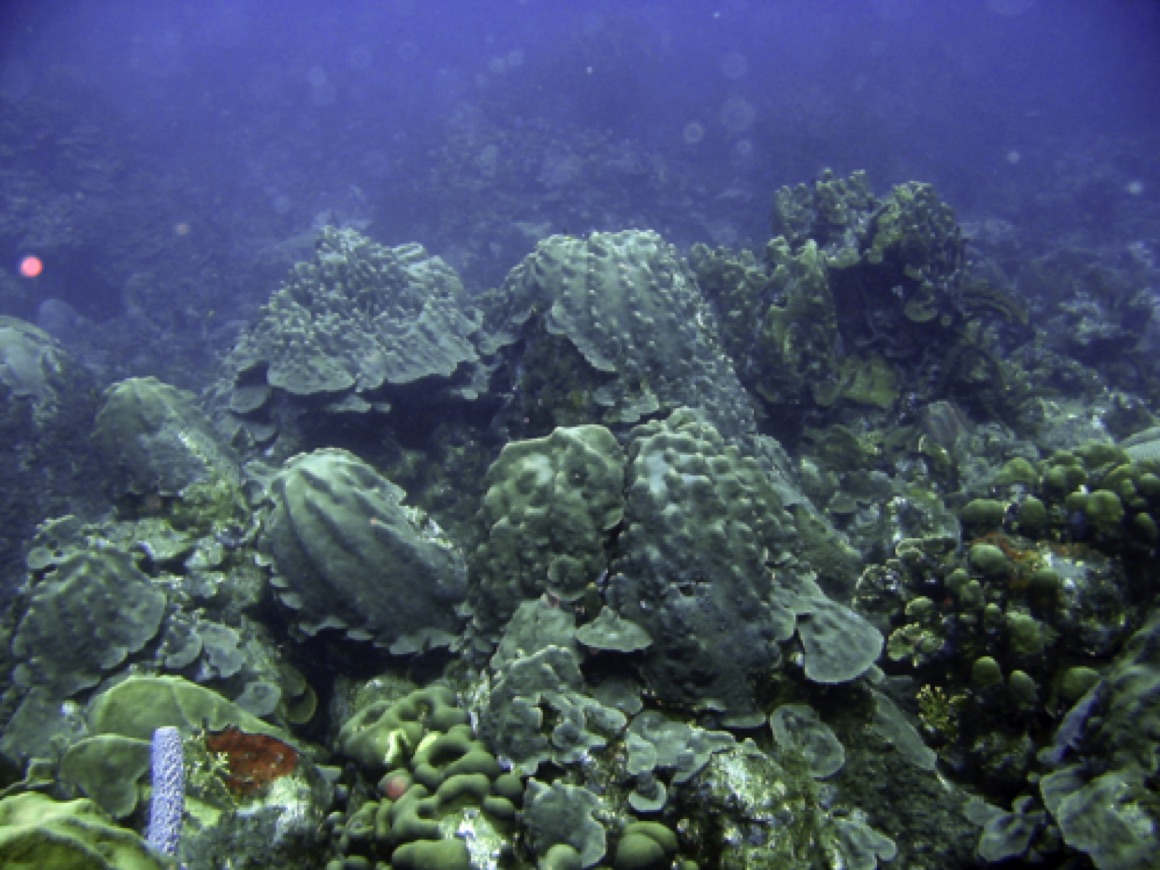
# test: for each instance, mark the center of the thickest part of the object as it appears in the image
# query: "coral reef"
(759, 558)
(863, 301)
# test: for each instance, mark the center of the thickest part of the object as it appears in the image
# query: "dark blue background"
(222, 129)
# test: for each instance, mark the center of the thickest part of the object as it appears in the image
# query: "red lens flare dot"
(31, 266)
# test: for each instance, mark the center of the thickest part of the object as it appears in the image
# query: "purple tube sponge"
(168, 802)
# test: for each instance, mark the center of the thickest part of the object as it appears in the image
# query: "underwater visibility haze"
(528, 434)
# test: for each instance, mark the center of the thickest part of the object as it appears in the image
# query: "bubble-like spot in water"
(693, 133)
(281, 204)
(316, 75)
(734, 65)
(744, 148)
(514, 58)
(1134, 188)
(737, 115)
(1013, 157)
(497, 66)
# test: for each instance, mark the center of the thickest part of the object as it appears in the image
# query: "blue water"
(183, 143)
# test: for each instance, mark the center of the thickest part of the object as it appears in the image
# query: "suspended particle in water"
(734, 65)
(693, 133)
(737, 115)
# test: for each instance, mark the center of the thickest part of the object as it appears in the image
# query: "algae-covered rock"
(352, 557)
(798, 352)
(755, 812)
(914, 228)
(1088, 597)
(863, 300)
(157, 442)
(105, 607)
(547, 517)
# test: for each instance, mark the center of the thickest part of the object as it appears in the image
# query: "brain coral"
(352, 557)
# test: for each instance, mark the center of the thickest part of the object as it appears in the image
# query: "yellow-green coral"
(940, 712)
